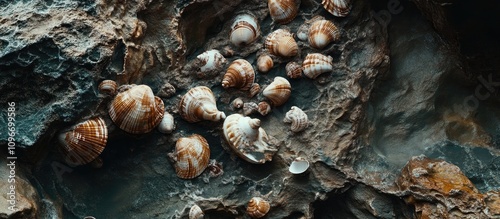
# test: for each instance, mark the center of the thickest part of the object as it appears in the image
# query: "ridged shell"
(298, 166)
(240, 74)
(108, 87)
(254, 90)
(195, 212)
(199, 104)
(167, 124)
(249, 108)
(191, 156)
(283, 11)
(247, 139)
(339, 8)
(257, 207)
(237, 103)
(281, 43)
(211, 60)
(84, 142)
(137, 110)
(278, 91)
(298, 119)
(315, 64)
(322, 33)
(244, 30)
(293, 70)
(264, 108)
(264, 63)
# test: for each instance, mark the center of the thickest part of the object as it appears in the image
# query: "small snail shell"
(339, 8)
(281, 43)
(298, 119)
(199, 104)
(237, 103)
(264, 108)
(254, 90)
(264, 63)
(196, 213)
(322, 32)
(315, 64)
(240, 74)
(167, 124)
(191, 156)
(293, 70)
(245, 30)
(257, 207)
(137, 110)
(298, 166)
(108, 87)
(166, 91)
(84, 142)
(283, 11)
(303, 32)
(278, 91)
(211, 60)
(249, 108)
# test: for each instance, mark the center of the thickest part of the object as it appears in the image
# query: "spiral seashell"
(167, 124)
(240, 74)
(199, 104)
(278, 91)
(84, 142)
(281, 43)
(137, 110)
(283, 11)
(211, 60)
(237, 103)
(264, 63)
(191, 156)
(249, 108)
(244, 30)
(321, 33)
(315, 64)
(293, 70)
(264, 108)
(257, 207)
(339, 8)
(247, 139)
(298, 166)
(108, 87)
(254, 90)
(196, 213)
(298, 119)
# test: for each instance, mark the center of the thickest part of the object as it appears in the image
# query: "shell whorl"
(283, 11)
(240, 74)
(195, 212)
(108, 87)
(315, 64)
(322, 32)
(199, 104)
(257, 207)
(191, 156)
(298, 119)
(244, 30)
(293, 70)
(339, 8)
(167, 124)
(278, 91)
(281, 43)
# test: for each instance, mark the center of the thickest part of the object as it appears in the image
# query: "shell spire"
(339, 8)
(322, 33)
(199, 104)
(240, 74)
(315, 64)
(191, 156)
(298, 119)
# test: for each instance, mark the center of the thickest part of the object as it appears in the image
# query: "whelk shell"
(195, 212)
(191, 156)
(278, 91)
(245, 30)
(264, 63)
(283, 11)
(298, 119)
(240, 74)
(167, 124)
(322, 32)
(137, 110)
(258, 207)
(108, 87)
(298, 166)
(211, 60)
(339, 8)
(199, 104)
(293, 70)
(315, 64)
(281, 43)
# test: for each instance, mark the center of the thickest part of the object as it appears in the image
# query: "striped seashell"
(249, 108)
(167, 124)
(196, 213)
(240, 74)
(84, 142)
(298, 119)
(322, 32)
(244, 30)
(247, 139)
(283, 11)
(191, 156)
(137, 110)
(293, 70)
(257, 207)
(237, 103)
(254, 90)
(303, 31)
(315, 64)
(278, 91)
(281, 43)
(199, 104)
(211, 60)
(108, 87)
(264, 63)
(339, 8)
(264, 108)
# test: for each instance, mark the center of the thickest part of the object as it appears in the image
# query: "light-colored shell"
(298, 166)
(322, 33)
(167, 124)
(339, 8)
(195, 212)
(303, 31)
(298, 119)
(211, 60)
(254, 90)
(264, 108)
(264, 63)
(283, 11)
(315, 64)
(293, 70)
(84, 142)
(199, 104)
(278, 91)
(166, 91)
(257, 207)
(240, 74)
(237, 103)
(108, 87)
(247, 139)
(137, 110)
(249, 108)
(244, 30)
(281, 43)
(191, 156)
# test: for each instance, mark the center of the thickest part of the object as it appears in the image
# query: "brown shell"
(339, 8)
(298, 119)
(84, 142)
(244, 30)
(199, 104)
(108, 87)
(258, 207)
(137, 110)
(315, 64)
(322, 32)
(278, 91)
(264, 63)
(293, 70)
(254, 90)
(264, 108)
(281, 43)
(240, 74)
(191, 156)
(283, 11)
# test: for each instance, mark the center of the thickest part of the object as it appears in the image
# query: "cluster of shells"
(136, 110)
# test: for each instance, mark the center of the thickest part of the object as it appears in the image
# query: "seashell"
(166, 91)
(199, 104)
(339, 8)
(191, 156)
(293, 70)
(303, 32)
(108, 87)
(254, 90)
(315, 64)
(125, 87)
(322, 32)
(237, 103)
(278, 91)
(249, 108)
(298, 166)
(257, 207)
(283, 11)
(264, 63)
(244, 30)
(195, 212)
(247, 139)
(167, 124)
(84, 142)
(215, 168)
(240, 74)
(298, 119)
(281, 43)
(264, 108)
(211, 60)
(137, 110)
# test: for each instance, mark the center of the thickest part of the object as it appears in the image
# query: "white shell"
(298, 166)
(199, 104)
(278, 91)
(258, 207)
(339, 8)
(298, 119)
(244, 30)
(195, 212)
(264, 63)
(303, 32)
(211, 60)
(237, 103)
(315, 64)
(167, 124)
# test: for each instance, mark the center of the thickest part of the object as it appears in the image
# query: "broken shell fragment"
(249, 108)
(339, 8)
(322, 33)
(196, 213)
(191, 156)
(281, 43)
(167, 124)
(298, 166)
(245, 30)
(211, 60)
(199, 104)
(315, 64)
(278, 91)
(240, 74)
(108, 87)
(283, 11)
(298, 119)
(293, 70)
(257, 207)
(264, 63)
(264, 108)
